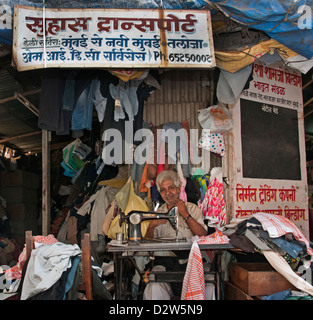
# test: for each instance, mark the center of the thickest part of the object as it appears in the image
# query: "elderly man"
(190, 223)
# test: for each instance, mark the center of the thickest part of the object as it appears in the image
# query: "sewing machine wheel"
(135, 218)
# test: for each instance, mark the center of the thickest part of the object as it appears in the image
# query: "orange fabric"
(144, 180)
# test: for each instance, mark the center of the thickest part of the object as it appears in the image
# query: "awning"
(277, 18)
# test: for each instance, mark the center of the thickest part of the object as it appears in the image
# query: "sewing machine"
(135, 217)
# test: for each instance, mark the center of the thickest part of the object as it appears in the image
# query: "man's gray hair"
(167, 175)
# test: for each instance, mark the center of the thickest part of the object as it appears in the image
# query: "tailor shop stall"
(105, 171)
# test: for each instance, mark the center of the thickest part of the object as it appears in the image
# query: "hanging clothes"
(52, 116)
(83, 110)
(213, 205)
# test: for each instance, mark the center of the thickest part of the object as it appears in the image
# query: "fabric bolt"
(193, 284)
(45, 267)
(213, 142)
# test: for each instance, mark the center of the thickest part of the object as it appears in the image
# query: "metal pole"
(46, 136)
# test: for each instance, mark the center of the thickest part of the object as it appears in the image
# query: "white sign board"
(118, 38)
(268, 147)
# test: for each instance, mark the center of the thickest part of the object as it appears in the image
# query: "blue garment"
(282, 295)
(71, 275)
(126, 92)
(82, 113)
(293, 248)
(69, 94)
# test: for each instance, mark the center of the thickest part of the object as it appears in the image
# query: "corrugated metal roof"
(8, 85)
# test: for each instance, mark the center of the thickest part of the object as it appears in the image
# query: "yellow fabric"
(128, 74)
(115, 183)
(134, 203)
(233, 61)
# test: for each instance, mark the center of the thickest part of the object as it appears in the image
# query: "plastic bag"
(213, 142)
(134, 203)
(216, 118)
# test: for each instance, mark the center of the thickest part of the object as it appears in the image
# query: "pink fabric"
(213, 204)
(215, 238)
(16, 271)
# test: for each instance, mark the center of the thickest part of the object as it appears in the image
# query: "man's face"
(169, 192)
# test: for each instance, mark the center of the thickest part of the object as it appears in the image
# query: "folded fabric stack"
(279, 240)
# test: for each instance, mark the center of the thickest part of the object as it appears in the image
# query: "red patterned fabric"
(215, 238)
(16, 271)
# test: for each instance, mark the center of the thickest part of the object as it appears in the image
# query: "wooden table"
(150, 248)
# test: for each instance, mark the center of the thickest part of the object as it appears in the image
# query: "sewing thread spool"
(119, 237)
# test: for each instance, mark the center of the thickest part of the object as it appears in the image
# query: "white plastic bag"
(216, 118)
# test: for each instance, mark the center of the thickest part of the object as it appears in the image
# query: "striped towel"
(215, 238)
(193, 285)
(277, 226)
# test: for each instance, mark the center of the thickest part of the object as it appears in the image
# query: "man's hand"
(181, 207)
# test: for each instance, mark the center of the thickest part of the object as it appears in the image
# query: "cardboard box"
(257, 279)
(234, 293)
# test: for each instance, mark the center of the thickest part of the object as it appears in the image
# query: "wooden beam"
(20, 136)
(29, 242)
(308, 102)
(27, 93)
(86, 266)
(307, 84)
(46, 137)
(21, 98)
